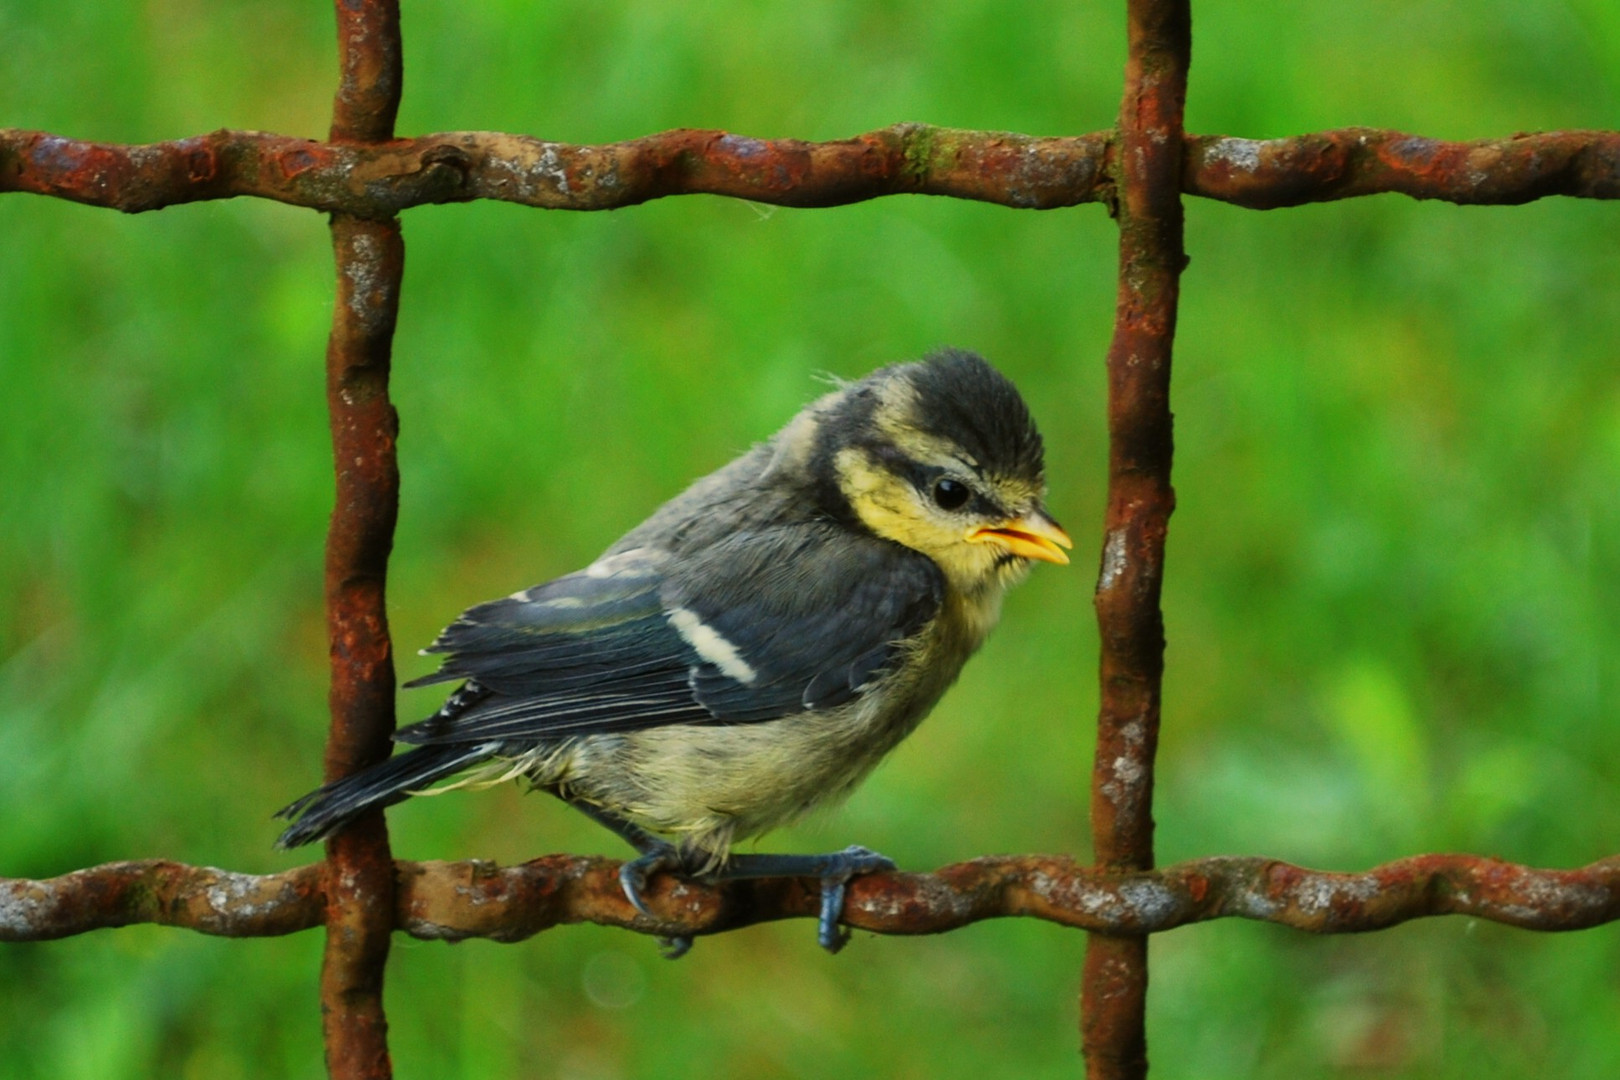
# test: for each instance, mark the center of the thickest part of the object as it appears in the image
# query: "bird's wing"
(763, 624)
(798, 617)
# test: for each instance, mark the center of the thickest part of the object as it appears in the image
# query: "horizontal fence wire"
(452, 901)
(1008, 169)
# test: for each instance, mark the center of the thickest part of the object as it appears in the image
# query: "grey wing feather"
(817, 614)
(813, 617)
(582, 654)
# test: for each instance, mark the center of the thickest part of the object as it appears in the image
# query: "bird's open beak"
(1033, 536)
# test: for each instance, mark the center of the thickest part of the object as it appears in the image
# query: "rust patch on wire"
(1267, 173)
(371, 71)
(159, 891)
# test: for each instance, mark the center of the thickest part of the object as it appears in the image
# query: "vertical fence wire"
(370, 258)
(1140, 500)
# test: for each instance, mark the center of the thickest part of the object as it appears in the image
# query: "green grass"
(1390, 595)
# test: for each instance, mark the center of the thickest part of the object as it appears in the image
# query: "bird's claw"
(841, 866)
(633, 877)
(673, 948)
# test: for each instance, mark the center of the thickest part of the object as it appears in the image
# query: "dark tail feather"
(327, 809)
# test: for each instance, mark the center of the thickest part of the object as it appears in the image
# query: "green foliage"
(1389, 597)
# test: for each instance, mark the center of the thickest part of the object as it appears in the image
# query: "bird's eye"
(950, 494)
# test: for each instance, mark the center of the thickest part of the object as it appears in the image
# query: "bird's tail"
(328, 808)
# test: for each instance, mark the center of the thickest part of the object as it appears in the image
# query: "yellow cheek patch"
(879, 498)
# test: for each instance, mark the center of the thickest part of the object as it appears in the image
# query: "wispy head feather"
(960, 397)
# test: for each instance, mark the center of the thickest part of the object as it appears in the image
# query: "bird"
(754, 648)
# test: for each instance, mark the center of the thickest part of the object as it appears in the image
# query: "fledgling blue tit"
(750, 651)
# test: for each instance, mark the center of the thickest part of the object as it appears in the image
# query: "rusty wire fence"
(363, 176)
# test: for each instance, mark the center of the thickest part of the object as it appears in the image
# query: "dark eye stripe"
(990, 511)
(924, 477)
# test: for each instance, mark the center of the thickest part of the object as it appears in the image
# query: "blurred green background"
(1391, 595)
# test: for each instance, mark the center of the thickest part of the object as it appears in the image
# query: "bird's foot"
(843, 865)
(835, 871)
(633, 877)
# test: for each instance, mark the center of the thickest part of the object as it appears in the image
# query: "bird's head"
(940, 455)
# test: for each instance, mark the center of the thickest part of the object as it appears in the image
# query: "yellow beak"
(1033, 536)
